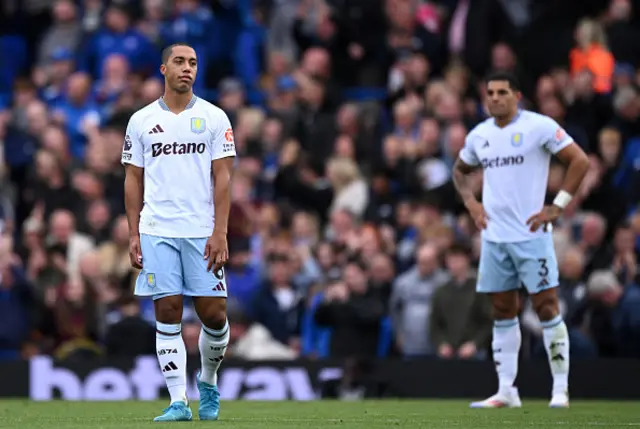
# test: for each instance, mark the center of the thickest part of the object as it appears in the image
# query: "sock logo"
(554, 345)
(217, 359)
(167, 352)
(219, 287)
(557, 358)
(170, 367)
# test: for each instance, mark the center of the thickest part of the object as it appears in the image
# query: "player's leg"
(497, 277)
(538, 269)
(209, 292)
(161, 277)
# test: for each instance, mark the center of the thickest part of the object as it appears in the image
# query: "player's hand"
(135, 252)
(479, 216)
(548, 215)
(216, 251)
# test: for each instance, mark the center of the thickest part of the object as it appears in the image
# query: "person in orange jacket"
(592, 54)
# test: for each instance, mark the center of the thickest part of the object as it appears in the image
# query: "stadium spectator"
(354, 311)
(347, 117)
(460, 320)
(411, 302)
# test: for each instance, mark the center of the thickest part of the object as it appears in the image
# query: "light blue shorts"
(176, 266)
(507, 266)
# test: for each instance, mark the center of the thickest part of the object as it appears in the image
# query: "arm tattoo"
(461, 182)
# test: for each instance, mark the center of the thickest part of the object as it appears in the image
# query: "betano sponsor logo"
(501, 161)
(176, 148)
(145, 382)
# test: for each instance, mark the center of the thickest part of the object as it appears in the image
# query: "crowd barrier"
(43, 379)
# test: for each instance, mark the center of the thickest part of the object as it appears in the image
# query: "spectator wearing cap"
(460, 321)
(612, 315)
(282, 103)
(52, 76)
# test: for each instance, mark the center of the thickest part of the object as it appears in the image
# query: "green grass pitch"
(322, 414)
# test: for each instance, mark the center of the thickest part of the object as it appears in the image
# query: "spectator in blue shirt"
(16, 302)
(78, 113)
(53, 76)
(117, 36)
(194, 24)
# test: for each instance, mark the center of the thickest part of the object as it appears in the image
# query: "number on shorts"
(544, 270)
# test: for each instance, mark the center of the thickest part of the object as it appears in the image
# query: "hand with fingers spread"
(479, 216)
(216, 251)
(547, 216)
(135, 252)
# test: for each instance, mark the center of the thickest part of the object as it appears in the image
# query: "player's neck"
(177, 102)
(506, 120)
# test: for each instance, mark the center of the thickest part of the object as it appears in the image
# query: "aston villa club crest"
(198, 125)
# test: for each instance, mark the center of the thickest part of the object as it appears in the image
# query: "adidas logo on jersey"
(156, 130)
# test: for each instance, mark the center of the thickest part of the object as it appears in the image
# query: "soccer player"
(514, 148)
(179, 154)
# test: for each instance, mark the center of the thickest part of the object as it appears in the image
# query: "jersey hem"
(520, 240)
(173, 235)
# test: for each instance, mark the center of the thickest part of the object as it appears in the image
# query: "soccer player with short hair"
(514, 148)
(179, 155)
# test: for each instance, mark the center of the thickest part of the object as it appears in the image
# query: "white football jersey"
(515, 162)
(176, 152)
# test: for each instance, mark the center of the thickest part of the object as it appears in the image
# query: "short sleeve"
(554, 137)
(223, 145)
(132, 150)
(468, 153)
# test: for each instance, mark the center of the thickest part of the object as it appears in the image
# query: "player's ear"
(163, 69)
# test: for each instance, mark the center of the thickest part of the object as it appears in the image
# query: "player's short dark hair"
(504, 76)
(166, 52)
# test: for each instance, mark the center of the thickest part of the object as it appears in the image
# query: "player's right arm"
(466, 164)
(133, 160)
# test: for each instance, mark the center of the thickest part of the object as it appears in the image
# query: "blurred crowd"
(346, 235)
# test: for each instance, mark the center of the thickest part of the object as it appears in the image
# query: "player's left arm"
(223, 152)
(560, 144)
(577, 163)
